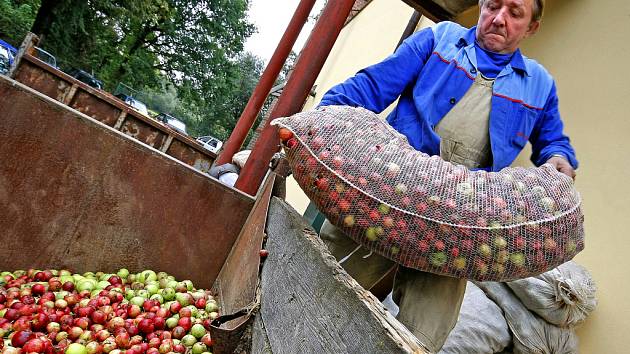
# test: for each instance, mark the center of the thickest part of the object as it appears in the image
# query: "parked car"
(172, 122)
(134, 103)
(46, 57)
(5, 63)
(210, 143)
(86, 78)
(7, 55)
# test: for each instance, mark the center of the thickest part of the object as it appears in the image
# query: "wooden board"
(309, 304)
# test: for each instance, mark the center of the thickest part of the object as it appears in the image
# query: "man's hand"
(562, 165)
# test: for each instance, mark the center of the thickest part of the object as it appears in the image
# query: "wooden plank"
(309, 304)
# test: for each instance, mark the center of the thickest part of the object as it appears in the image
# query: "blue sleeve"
(379, 85)
(548, 138)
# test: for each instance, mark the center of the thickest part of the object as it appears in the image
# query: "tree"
(186, 52)
(16, 18)
(195, 45)
(45, 17)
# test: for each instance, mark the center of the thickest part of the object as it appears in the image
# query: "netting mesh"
(426, 213)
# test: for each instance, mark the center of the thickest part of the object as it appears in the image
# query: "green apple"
(518, 259)
(459, 263)
(438, 259)
(500, 242)
(485, 250)
(123, 273)
(383, 209)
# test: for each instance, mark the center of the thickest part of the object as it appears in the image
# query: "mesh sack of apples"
(425, 213)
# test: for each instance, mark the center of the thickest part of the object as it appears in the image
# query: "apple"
(434, 200)
(500, 242)
(384, 209)
(550, 244)
(401, 189)
(76, 348)
(374, 232)
(285, 134)
(518, 259)
(498, 269)
(337, 162)
(502, 256)
(374, 215)
(484, 250)
(459, 263)
(438, 245)
(519, 242)
(481, 267)
(438, 259)
(348, 221)
(344, 205)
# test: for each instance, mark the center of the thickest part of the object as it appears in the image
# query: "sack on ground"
(530, 333)
(481, 327)
(426, 213)
(563, 296)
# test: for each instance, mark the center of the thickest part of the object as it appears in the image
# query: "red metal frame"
(307, 68)
(269, 76)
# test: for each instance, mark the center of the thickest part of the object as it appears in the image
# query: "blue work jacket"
(433, 69)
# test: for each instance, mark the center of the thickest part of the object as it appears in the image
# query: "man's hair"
(537, 8)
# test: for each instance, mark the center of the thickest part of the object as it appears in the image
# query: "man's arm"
(377, 86)
(549, 144)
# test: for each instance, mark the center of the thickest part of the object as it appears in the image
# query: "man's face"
(503, 24)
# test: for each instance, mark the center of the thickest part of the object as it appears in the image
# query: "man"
(470, 96)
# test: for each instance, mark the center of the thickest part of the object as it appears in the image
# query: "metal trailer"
(89, 184)
(81, 195)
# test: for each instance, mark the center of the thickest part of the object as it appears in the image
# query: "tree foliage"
(16, 18)
(186, 55)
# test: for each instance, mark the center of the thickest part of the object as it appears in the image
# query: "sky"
(272, 17)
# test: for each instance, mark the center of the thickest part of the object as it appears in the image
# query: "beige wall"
(585, 44)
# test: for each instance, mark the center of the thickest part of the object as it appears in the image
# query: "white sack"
(531, 334)
(481, 327)
(563, 296)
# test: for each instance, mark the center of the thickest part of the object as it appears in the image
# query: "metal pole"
(269, 76)
(411, 27)
(308, 66)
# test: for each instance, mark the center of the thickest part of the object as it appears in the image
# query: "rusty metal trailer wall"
(75, 193)
(109, 110)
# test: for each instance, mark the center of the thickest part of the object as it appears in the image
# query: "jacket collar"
(467, 40)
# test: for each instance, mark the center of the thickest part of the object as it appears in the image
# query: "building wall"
(580, 43)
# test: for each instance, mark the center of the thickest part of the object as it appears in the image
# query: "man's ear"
(533, 28)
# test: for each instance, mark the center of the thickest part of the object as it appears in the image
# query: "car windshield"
(208, 139)
(46, 57)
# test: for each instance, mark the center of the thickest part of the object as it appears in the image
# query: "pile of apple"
(55, 311)
(424, 212)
